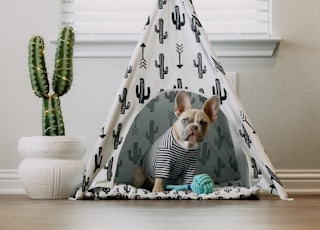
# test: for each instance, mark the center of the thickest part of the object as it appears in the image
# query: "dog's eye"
(185, 121)
(203, 124)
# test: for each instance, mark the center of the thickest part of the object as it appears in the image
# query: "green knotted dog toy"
(201, 184)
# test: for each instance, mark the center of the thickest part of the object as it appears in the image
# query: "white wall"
(281, 94)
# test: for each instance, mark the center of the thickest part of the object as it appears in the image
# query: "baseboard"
(295, 181)
(9, 182)
(300, 181)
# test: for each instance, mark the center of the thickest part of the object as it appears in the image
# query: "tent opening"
(217, 157)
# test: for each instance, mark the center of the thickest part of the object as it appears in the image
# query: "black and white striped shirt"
(170, 161)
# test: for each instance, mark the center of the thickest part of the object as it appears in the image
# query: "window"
(103, 21)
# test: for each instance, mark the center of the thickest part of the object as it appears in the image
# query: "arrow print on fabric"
(148, 22)
(102, 133)
(218, 66)
(142, 61)
(179, 51)
(244, 119)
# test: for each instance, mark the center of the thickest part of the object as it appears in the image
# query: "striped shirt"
(170, 161)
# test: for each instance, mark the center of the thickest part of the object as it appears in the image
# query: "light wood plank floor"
(20, 212)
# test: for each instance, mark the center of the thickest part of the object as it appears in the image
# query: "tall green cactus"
(52, 120)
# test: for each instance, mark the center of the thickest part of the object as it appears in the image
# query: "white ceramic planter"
(52, 166)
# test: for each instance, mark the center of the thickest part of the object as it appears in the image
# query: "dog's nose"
(194, 127)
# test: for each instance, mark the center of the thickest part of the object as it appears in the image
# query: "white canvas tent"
(174, 53)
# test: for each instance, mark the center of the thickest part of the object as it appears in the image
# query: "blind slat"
(231, 4)
(116, 5)
(105, 6)
(227, 17)
(140, 17)
(111, 17)
(125, 28)
(234, 15)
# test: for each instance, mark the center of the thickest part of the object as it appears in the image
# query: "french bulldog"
(173, 156)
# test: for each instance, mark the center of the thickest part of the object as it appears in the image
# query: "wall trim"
(9, 182)
(300, 181)
(295, 181)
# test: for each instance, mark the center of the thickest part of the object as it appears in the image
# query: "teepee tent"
(174, 53)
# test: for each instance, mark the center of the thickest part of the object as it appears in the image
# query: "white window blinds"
(94, 19)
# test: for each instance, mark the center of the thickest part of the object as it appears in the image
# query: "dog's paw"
(157, 189)
(158, 185)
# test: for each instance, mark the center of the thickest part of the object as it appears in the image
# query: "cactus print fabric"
(174, 53)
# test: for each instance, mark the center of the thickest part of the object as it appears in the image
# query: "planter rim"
(61, 147)
(75, 138)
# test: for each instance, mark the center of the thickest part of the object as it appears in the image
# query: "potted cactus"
(52, 164)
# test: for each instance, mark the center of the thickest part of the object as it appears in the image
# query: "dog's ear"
(211, 107)
(183, 103)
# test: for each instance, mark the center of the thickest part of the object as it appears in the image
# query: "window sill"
(123, 46)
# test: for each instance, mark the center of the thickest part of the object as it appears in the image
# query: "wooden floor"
(20, 212)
